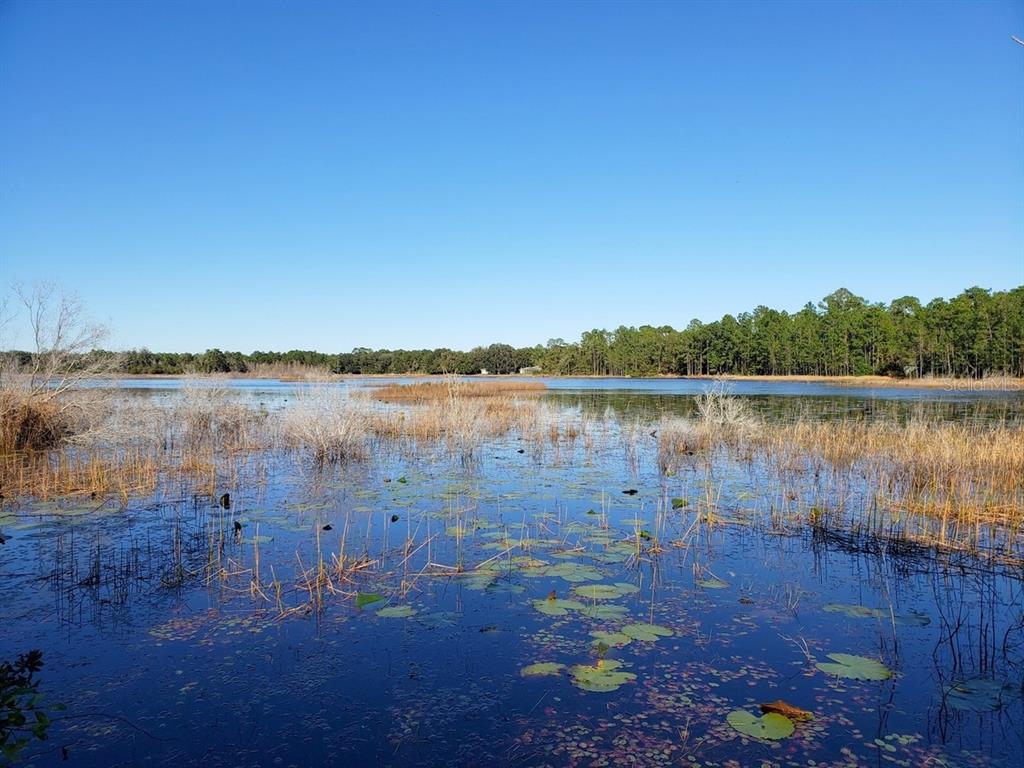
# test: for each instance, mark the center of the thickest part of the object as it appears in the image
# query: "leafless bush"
(720, 409)
(211, 418)
(329, 423)
(679, 440)
(36, 409)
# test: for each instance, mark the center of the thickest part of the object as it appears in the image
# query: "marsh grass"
(454, 388)
(954, 477)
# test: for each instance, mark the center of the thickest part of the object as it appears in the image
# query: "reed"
(453, 388)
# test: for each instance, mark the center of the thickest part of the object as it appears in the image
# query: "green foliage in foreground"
(21, 720)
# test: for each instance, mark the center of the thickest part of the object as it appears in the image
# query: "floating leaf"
(853, 611)
(679, 503)
(780, 707)
(611, 639)
(571, 572)
(396, 612)
(259, 540)
(602, 677)
(605, 591)
(438, 620)
(712, 584)
(604, 611)
(542, 669)
(366, 598)
(771, 726)
(647, 633)
(855, 667)
(558, 607)
(980, 694)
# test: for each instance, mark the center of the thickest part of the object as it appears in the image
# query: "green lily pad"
(558, 607)
(396, 612)
(542, 669)
(611, 639)
(678, 503)
(604, 611)
(602, 677)
(571, 572)
(366, 598)
(855, 667)
(980, 694)
(647, 633)
(605, 591)
(771, 726)
(853, 611)
(712, 584)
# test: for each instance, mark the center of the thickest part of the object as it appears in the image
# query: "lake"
(565, 604)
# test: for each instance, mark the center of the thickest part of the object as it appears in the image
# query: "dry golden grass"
(455, 389)
(971, 473)
(995, 383)
(30, 423)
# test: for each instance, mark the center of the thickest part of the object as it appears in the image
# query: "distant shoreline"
(995, 383)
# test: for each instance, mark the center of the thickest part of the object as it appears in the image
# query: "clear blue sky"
(325, 175)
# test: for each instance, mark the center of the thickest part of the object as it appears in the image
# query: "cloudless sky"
(276, 175)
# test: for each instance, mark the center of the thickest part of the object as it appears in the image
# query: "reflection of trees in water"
(787, 408)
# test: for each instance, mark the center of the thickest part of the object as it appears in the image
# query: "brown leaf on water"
(780, 707)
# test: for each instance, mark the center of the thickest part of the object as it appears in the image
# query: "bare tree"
(62, 335)
(41, 400)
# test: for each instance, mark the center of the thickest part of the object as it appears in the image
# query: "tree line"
(977, 333)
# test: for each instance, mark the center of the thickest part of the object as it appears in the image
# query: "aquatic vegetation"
(542, 669)
(647, 633)
(611, 639)
(22, 717)
(712, 583)
(981, 694)
(771, 726)
(364, 599)
(556, 593)
(602, 677)
(558, 606)
(396, 612)
(453, 388)
(854, 667)
(780, 707)
(605, 591)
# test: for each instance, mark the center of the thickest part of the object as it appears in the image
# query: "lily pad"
(558, 607)
(771, 726)
(611, 639)
(678, 503)
(980, 694)
(605, 591)
(853, 611)
(604, 611)
(367, 598)
(712, 584)
(602, 677)
(855, 667)
(647, 633)
(396, 612)
(571, 572)
(542, 669)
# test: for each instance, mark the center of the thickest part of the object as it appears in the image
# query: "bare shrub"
(679, 440)
(36, 411)
(329, 423)
(720, 409)
(213, 418)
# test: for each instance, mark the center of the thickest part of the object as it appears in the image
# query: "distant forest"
(975, 334)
